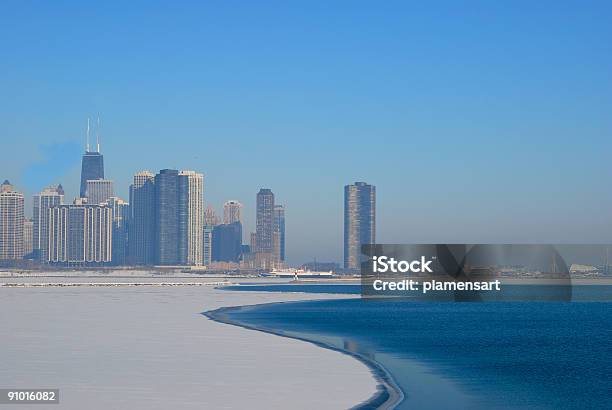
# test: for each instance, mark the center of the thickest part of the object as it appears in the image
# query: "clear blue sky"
(478, 121)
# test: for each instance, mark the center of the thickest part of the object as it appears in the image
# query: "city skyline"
(286, 205)
(167, 224)
(476, 124)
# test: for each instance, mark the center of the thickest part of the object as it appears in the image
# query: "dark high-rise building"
(265, 221)
(167, 217)
(179, 217)
(279, 224)
(92, 166)
(359, 221)
(142, 219)
(227, 242)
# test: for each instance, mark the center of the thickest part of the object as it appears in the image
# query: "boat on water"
(298, 274)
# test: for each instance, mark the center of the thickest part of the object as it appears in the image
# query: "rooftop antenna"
(87, 146)
(98, 135)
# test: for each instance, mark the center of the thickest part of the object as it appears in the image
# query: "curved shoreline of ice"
(388, 394)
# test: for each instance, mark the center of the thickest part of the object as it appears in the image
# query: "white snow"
(150, 348)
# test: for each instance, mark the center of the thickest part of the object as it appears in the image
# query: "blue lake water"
(552, 355)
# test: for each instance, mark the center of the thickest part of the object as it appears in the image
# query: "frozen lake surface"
(151, 348)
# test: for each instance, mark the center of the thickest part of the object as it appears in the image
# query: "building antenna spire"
(87, 144)
(98, 135)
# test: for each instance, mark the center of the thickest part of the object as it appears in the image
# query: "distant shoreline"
(107, 284)
(198, 275)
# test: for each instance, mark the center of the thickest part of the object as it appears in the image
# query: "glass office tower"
(359, 221)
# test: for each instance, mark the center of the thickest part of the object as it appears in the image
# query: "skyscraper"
(80, 234)
(28, 238)
(142, 219)
(121, 216)
(207, 244)
(98, 191)
(11, 223)
(167, 217)
(279, 226)
(210, 216)
(210, 221)
(43, 201)
(232, 212)
(264, 226)
(179, 217)
(227, 241)
(359, 221)
(276, 247)
(191, 218)
(92, 166)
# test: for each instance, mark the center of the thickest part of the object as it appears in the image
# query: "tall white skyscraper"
(191, 217)
(80, 234)
(232, 212)
(99, 190)
(11, 222)
(43, 201)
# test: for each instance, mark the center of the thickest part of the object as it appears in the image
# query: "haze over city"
(521, 156)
